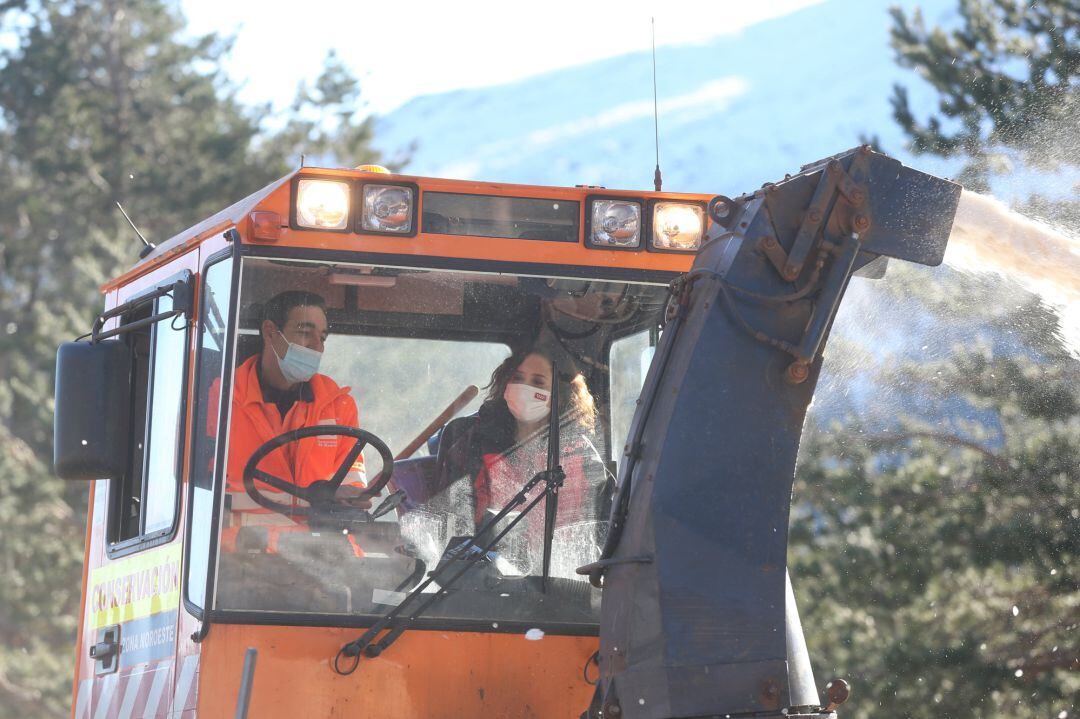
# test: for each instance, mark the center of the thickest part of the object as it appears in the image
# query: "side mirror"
(91, 416)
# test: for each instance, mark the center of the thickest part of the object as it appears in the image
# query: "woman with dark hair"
(506, 444)
(518, 400)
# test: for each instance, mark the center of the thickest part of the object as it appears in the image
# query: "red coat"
(503, 475)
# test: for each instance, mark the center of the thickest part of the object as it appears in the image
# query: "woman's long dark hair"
(497, 424)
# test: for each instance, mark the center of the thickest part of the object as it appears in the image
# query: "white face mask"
(299, 363)
(527, 403)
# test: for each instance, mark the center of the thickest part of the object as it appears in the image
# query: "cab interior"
(408, 341)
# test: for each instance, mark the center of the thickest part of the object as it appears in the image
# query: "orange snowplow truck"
(368, 444)
(427, 286)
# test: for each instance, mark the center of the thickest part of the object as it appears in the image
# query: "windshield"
(454, 372)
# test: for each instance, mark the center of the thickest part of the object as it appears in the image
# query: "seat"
(415, 477)
(421, 478)
(454, 452)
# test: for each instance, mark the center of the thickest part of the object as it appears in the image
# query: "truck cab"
(428, 287)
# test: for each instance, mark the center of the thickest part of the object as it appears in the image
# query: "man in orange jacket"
(279, 390)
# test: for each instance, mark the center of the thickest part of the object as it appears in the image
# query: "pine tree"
(1008, 81)
(937, 532)
(938, 528)
(326, 123)
(102, 101)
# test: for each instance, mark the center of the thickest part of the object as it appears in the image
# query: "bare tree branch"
(952, 440)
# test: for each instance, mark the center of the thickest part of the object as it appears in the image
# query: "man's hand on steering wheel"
(354, 496)
(324, 497)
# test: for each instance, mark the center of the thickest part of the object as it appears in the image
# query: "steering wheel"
(320, 494)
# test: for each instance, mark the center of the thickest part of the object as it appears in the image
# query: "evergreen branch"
(1047, 662)
(952, 440)
(21, 694)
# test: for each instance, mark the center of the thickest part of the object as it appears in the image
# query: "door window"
(143, 502)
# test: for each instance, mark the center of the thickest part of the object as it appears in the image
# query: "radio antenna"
(150, 246)
(658, 181)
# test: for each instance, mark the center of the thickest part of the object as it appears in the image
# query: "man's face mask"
(299, 363)
(527, 403)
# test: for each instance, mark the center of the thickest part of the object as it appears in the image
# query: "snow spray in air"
(989, 237)
(886, 323)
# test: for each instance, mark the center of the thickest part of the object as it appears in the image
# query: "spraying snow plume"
(989, 237)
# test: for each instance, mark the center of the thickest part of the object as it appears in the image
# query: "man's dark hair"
(277, 308)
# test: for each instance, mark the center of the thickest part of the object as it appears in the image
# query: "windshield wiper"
(470, 551)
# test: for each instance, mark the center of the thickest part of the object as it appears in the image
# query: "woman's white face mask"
(299, 363)
(527, 403)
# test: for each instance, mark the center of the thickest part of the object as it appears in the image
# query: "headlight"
(677, 226)
(387, 208)
(615, 223)
(322, 204)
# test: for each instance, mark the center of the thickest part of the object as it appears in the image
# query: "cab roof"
(276, 197)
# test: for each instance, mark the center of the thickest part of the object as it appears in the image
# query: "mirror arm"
(182, 291)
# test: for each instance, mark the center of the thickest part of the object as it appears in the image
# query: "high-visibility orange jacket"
(254, 421)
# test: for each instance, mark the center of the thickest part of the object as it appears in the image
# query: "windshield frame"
(209, 612)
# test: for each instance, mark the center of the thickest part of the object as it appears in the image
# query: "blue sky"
(437, 46)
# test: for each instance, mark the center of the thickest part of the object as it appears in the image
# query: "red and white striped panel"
(142, 693)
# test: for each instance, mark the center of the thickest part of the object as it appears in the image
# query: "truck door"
(134, 552)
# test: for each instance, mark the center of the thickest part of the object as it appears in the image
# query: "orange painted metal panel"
(430, 245)
(431, 674)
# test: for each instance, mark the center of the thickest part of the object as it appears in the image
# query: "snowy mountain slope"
(734, 112)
